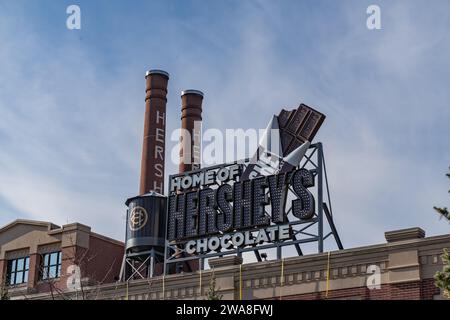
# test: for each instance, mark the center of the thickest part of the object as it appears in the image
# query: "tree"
(444, 211)
(4, 293)
(442, 278)
(213, 293)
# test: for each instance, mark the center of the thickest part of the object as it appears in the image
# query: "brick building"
(404, 265)
(39, 257)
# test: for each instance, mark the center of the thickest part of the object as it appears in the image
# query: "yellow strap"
(240, 282)
(164, 287)
(126, 295)
(115, 292)
(200, 284)
(282, 277)
(328, 275)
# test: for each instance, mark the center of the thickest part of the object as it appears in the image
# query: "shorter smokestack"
(191, 120)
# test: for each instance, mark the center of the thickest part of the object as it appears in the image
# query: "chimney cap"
(190, 91)
(156, 71)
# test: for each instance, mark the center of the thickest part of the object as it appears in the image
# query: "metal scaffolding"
(303, 231)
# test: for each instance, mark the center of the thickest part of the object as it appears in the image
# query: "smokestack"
(153, 149)
(191, 119)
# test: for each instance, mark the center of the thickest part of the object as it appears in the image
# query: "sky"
(72, 101)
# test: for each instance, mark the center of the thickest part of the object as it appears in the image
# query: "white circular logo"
(138, 218)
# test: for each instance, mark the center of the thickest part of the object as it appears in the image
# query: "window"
(17, 271)
(50, 265)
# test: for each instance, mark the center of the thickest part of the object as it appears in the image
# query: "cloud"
(66, 135)
(71, 104)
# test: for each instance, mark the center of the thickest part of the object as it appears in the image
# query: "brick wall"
(33, 273)
(61, 282)
(105, 260)
(100, 263)
(416, 290)
(406, 271)
(405, 291)
(428, 289)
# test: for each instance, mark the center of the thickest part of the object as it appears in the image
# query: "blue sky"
(72, 101)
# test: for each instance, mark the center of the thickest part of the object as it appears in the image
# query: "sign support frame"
(314, 157)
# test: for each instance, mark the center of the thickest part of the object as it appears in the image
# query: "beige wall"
(401, 263)
(32, 238)
(25, 237)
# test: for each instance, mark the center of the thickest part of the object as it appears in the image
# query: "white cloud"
(71, 129)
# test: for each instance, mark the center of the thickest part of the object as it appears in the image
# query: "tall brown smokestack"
(153, 149)
(191, 119)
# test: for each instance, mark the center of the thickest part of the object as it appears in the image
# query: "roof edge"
(50, 226)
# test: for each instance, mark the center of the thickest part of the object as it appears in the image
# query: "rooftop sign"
(247, 203)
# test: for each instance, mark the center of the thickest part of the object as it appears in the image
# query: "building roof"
(55, 229)
(49, 225)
